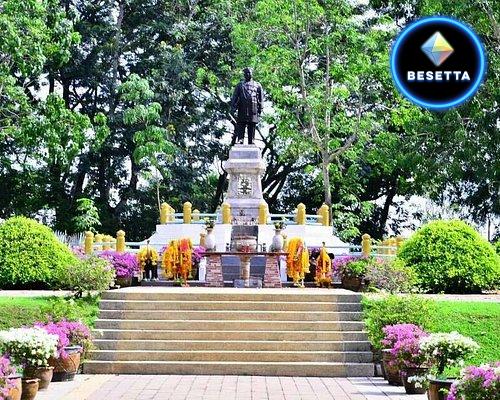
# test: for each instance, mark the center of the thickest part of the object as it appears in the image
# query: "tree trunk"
(325, 170)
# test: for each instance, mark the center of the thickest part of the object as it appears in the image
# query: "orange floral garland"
(178, 259)
(323, 268)
(297, 261)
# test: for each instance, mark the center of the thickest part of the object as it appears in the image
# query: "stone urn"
(392, 371)
(65, 369)
(15, 391)
(278, 241)
(245, 244)
(210, 240)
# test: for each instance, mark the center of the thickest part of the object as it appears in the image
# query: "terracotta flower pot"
(43, 373)
(15, 392)
(353, 283)
(30, 389)
(392, 372)
(438, 388)
(65, 369)
(413, 387)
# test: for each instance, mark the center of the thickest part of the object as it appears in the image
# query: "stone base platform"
(229, 331)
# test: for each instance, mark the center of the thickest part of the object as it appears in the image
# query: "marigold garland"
(178, 259)
(297, 260)
(323, 268)
(147, 253)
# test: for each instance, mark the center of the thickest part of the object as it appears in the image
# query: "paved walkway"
(193, 387)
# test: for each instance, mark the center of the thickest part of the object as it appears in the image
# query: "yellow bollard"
(164, 211)
(325, 215)
(196, 214)
(171, 212)
(262, 214)
(366, 245)
(301, 214)
(186, 211)
(89, 242)
(202, 239)
(392, 242)
(98, 241)
(320, 215)
(285, 243)
(226, 213)
(399, 241)
(107, 240)
(120, 241)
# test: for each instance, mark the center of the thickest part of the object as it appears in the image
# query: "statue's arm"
(235, 98)
(260, 94)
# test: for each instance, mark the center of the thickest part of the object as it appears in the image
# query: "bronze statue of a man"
(247, 99)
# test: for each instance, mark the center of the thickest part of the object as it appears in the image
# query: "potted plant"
(32, 348)
(210, 238)
(74, 339)
(10, 380)
(353, 271)
(443, 350)
(410, 359)
(398, 346)
(124, 264)
(481, 382)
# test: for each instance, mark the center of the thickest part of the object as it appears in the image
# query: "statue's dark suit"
(247, 100)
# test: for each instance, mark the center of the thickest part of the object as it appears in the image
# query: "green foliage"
(89, 216)
(356, 268)
(16, 312)
(396, 309)
(450, 256)
(91, 274)
(497, 247)
(31, 256)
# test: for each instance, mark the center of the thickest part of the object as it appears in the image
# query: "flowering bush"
(403, 340)
(125, 264)
(90, 274)
(198, 253)
(447, 349)
(339, 262)
(477, 383)
(391, 276)
(69, 334)
(6, 370)
(79, 252)
(30, 347)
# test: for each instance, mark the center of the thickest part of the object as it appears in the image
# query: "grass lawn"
(20, 311)
(479, 320)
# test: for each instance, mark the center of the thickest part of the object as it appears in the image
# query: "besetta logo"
(438, 63)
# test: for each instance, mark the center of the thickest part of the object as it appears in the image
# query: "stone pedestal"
(272, 272)
(245, 169)
(213, 275)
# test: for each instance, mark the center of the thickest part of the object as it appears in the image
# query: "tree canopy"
(125, 104)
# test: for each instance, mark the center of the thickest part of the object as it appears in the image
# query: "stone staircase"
(227, 331)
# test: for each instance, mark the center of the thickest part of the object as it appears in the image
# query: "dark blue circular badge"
(438, 62)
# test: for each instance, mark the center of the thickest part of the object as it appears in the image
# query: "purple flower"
(481, 382)
(70, 333)
(403, 340)
(125, 264)
(6, 370)
(198, 253)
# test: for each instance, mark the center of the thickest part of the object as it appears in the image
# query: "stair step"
(232, 315)
(228, 305)
(235, 345)
(323, 369)
(229, 335)
(250, 325)
(225, 355)
(221, 294)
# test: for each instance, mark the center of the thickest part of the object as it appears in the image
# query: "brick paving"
(214, 387)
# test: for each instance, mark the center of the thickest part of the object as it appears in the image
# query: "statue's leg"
(251, 132)
(240, 132)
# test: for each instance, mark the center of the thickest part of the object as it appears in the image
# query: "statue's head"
(247, 73)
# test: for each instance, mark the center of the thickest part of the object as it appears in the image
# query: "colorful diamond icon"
(437, 48)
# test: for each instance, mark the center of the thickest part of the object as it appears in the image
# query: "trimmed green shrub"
(31, 256)
(451, 257)
(89, 274)
(396, 309)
